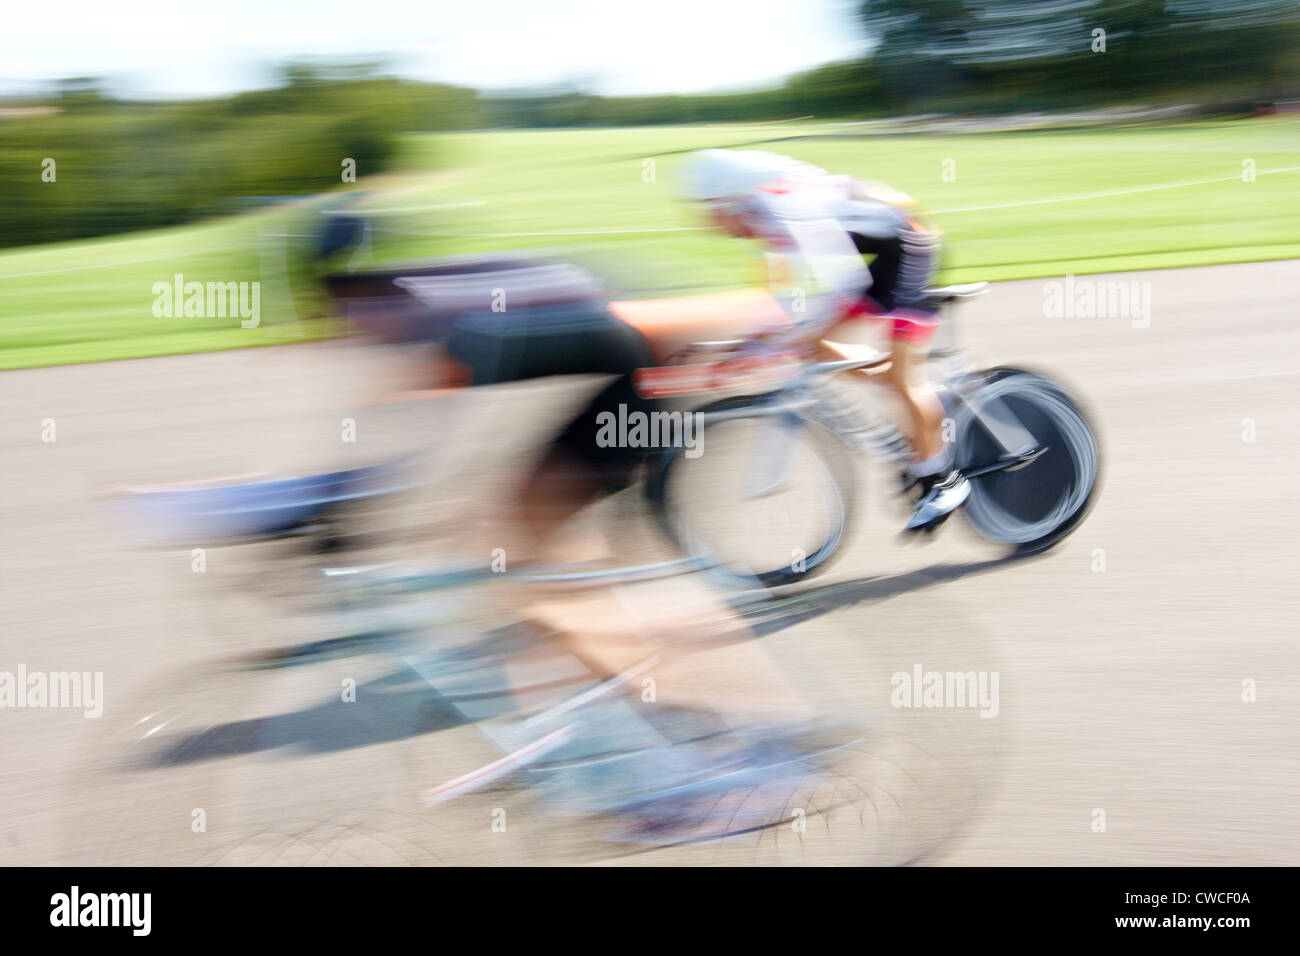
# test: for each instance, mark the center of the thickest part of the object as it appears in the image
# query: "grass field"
(1012, 205)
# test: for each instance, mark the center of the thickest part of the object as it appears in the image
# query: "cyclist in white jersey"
(816, 229)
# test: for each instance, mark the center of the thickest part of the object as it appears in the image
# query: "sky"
(198, 47)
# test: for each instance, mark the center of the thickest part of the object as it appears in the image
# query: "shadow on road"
(397, 706)
(770, 616)
(401, 705)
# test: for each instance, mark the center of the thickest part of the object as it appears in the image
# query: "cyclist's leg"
(900, 274)
(906, 379)
(676, 633)
(911, 330)
(943, 489)
(903, 377)
(638, 629)
(576, 468)
(616, 630)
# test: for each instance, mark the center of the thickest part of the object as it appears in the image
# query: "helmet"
(728, 173)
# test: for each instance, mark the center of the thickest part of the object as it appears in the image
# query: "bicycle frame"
(791, 401)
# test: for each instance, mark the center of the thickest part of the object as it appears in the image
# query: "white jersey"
(809, 216)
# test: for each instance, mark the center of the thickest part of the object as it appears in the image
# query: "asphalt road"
(1124, 657)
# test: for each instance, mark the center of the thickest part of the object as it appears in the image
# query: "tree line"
(122, 165)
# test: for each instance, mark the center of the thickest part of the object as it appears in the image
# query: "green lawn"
(1063, 201)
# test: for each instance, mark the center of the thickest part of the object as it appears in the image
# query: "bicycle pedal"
(1028, 458)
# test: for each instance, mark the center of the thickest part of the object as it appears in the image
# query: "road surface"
(1149, 685)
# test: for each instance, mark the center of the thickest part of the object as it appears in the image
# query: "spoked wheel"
(768, 499)
(1034, 506)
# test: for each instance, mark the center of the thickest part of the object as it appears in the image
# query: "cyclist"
(816, 228)
(556, 322)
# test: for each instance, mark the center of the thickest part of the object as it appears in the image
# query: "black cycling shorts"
(580, 338)
(902, 268)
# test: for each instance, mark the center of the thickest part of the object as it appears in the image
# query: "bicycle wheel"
(1032, 507)
(768, 499)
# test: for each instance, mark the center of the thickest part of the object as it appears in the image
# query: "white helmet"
(730, 173)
